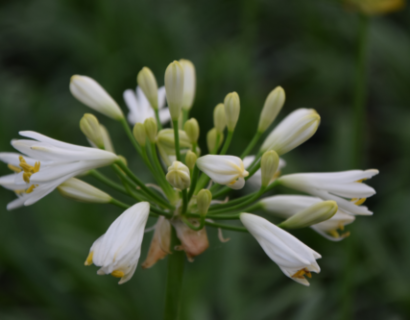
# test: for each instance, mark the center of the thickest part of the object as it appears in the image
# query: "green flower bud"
(167, 140)
(273, 104)
(148, 84)
(140, 134)
(189, 83)
(219, 117)
(269, 166)
(191, 128)
(151, 129)
(90, 126)
(78, 190)
(314, 214)
(211, 138)
(174, 87)
(203, 201)
(178, 175)
(190, 159)
(232, 109)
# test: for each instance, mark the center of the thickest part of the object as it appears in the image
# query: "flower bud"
(273, 104)
(106, 138)
(219, 118)
(90, 126)
(167, 139)
(269, 166)
(189, 83)
(151, 129)
(232, 109)
(203, 201)
(89, 92)
(123, 160)
(174, 87)
(211, 138)
(147, 82)
(190, 159)
(295, 129)
(191, 128)
(314, 214)
(139, 133)
(81, 191)
(178, 175)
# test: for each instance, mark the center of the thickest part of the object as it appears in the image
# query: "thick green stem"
(176, 138)
(176, 261)
(251, 144)
(227, 142)
(185, 115)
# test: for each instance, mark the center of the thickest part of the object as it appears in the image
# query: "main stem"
(176, 261)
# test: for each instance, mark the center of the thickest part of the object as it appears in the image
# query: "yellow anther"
(361, 180)
(14, 168)
(117, 273)
(26, 177)
(36, 167)
(28, 170)
(89, 260)
(31, 188)
(301, 273)
(346, 234)
(334, 234)
(358, 201)
(20, 191)
(341, 226)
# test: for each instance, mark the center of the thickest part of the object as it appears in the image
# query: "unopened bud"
(211, 139)
(269, 166)
(140, 134)
(147, 82)
(232, 109)
(174, 87)
(178, 175)
(191, 128)
(151, 129)
(189, 83)
(190, 159)
(219, 117)
(167, 139)
(273, 104)
(203, 201)
(78, 190)
(90, 126)
(123, 160)
(314, 214)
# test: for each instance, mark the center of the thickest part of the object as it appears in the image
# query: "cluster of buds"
(190, 189)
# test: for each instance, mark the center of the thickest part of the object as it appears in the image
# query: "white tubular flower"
(295, 129)
(256, 179)
(226, 170)
(118, 250)
(189, 83)
(89, 92)
(293, 257)
(46, 163)
(336, 186)
(273, 104)
(140, 108)
(178, 175)
(81, 191)
(286, 206)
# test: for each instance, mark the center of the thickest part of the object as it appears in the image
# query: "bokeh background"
(308, 47)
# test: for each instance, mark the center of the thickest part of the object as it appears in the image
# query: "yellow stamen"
(358, 201)
(301, 273)
(28, 170)
(14, 168)
(361, 180)
(334, 233)
(26, 177)
(20, 191)
(31, 188)
(117, 273)
(341, 226)
(89, 260)
(346, 234)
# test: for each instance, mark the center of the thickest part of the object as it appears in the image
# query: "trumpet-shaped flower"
(140, 108)
(226, 170)
(293, 257)
(286, 206)
(118, 250)
(336, 186)
(46, 163)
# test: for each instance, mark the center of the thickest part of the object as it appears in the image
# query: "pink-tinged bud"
(160, 243)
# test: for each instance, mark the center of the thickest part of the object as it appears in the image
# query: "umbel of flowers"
(191, 188)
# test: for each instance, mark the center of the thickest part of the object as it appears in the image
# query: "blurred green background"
(308, 47)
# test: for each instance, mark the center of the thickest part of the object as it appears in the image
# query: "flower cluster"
(190, 189)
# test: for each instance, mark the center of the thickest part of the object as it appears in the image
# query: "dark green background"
(308, 47)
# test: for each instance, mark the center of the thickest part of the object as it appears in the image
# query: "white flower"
(256, 179)
(293, 257)
(118, 250)
(140, 108)
(46, 163)
(89, 92)
(174, 87)
(189, 83)
(81, 191)
(295, 129)
(226, 170)
(336, 186)
(286, 206)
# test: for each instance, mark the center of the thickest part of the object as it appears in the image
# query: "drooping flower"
(293, 257)
(118, 250)
(140, 108)
(44, 164)
(336, 186)
(226, 170)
